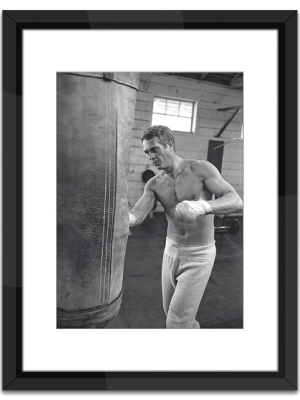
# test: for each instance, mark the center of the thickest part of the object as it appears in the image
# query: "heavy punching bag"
(95, 113)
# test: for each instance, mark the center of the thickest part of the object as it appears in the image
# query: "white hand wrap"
(132, 219)
(188, 211)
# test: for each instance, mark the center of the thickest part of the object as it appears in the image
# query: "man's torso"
(170, 192)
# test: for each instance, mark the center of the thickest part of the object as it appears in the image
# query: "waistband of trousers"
(190, 247)
(191, 251)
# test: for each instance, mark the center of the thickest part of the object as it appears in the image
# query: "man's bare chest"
(187, 186)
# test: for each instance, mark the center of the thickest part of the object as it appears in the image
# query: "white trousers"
(185, 273)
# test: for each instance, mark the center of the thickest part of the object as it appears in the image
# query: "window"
(178, 115)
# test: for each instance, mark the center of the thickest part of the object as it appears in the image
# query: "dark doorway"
(215, 156)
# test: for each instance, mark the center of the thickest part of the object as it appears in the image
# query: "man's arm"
(228, 200)
(142, 208)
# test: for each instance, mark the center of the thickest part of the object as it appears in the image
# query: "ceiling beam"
(147, 82)
(236, 82)
(202, 76)
(236, 76)
(227, 123)
(229, 108)
(229, 141)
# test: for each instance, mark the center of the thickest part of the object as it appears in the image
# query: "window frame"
(194, 116)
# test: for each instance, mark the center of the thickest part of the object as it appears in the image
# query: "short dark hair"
(163, 133)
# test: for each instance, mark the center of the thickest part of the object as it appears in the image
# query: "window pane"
(159, 106)
(176, 114)
(186, 109)
(172, 107)
(172, 122)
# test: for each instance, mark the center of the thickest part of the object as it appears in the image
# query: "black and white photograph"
(149, 183)
(150, 200)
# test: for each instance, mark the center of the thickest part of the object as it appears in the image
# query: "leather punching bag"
(95, 113)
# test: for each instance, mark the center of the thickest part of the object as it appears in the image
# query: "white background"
(160, 5)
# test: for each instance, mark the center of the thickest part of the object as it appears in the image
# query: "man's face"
(159, 155)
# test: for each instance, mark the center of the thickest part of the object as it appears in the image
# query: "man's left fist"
(188, 211)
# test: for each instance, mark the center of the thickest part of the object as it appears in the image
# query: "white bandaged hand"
(132, 219)
(188, 211)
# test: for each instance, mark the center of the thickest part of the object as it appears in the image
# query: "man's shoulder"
(203, 169)
(153, 181)
(200, 166)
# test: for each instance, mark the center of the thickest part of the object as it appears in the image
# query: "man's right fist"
(188, 211)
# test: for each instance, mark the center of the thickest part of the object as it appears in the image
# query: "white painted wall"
(209, 98)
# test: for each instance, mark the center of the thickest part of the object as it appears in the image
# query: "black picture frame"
(14, 378)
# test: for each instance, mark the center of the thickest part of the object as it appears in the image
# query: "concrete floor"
(222, 302)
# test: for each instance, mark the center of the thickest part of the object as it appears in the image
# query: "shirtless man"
(185, 189)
